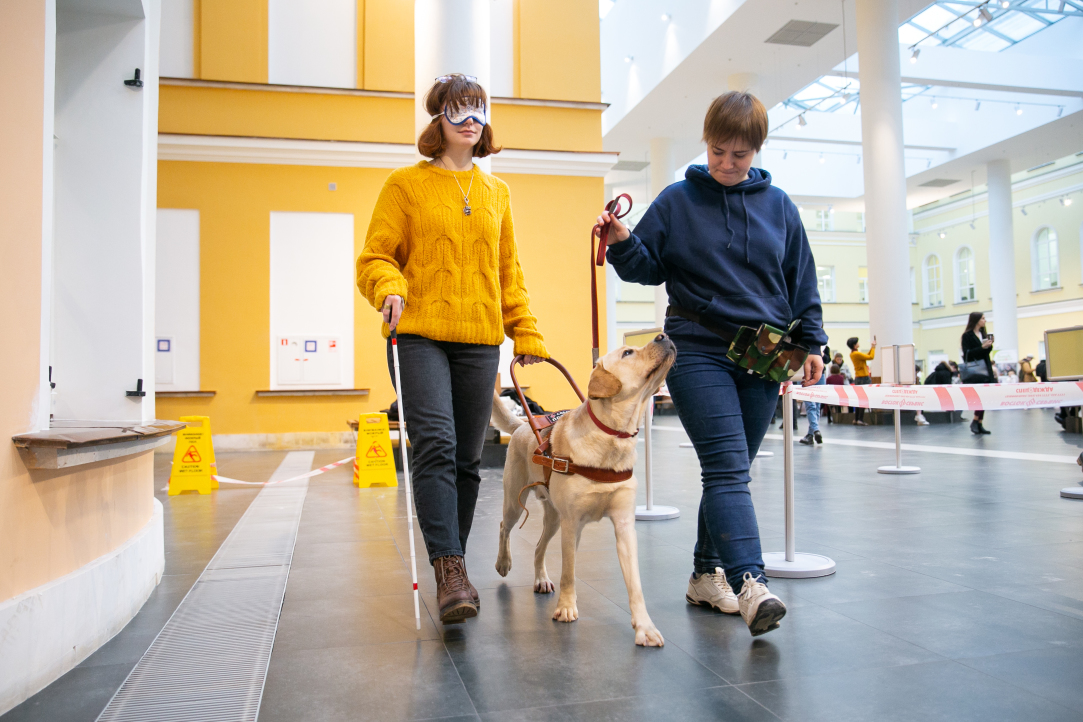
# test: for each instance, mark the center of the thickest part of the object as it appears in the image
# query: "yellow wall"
(319, 116)
(233, 40)
(559, 50)
(51, 523)
(235, 202)
(389, 45)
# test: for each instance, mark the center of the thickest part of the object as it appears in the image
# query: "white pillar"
(662, 168)
(890, 316)
(1002, 261)
(450, 36)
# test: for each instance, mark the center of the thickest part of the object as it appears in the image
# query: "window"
(863, 284)
(823, 221)
(913, 286)
(825, 283)
(934, 293)
(1044, 261)
(861, 221)
(964, 275)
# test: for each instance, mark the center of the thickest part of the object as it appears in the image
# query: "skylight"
(987, 25)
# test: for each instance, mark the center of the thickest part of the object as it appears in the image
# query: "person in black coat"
(977, 346)
(940, 375)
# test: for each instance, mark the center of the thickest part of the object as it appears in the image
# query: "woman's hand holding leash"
(392, 310)
(814, 368)
(528, 360)
(617, 231)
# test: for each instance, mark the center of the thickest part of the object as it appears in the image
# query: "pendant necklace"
(466, 195)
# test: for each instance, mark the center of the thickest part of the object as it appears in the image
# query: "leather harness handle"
(597, 259)
(520, 361)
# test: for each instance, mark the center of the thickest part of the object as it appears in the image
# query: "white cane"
(406, 477)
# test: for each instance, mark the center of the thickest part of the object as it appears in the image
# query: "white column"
(890, 316)
(1002, 261)
(450, 36)
(662, 168)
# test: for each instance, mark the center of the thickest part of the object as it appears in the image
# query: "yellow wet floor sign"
(375, 462)
(192, 459)
(205, 421)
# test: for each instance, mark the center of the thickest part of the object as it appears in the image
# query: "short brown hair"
(736, 115)
(455, 93)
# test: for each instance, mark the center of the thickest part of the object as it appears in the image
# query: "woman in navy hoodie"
(732, 252)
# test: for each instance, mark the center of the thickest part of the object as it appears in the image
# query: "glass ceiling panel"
(986, 42)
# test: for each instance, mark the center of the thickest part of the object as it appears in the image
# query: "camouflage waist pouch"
(767, 352)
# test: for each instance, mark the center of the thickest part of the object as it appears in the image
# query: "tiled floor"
(959, 596)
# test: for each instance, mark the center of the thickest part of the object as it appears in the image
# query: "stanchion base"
(657, 513)
(803, 566)
(686, 445)
(1072, 492)
(764, 454)
(899, 470)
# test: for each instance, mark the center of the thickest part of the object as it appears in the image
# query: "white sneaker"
(921, 420)
(712, 590)
(761, 609)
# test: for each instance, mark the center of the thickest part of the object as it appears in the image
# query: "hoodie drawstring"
(748, 222)
(748, 238)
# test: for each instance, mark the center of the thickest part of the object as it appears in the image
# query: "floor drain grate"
(210, 660)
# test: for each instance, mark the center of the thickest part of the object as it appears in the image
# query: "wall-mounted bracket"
(138, 389)
(134, 82)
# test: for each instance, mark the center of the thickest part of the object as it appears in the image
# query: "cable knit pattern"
(459, 274)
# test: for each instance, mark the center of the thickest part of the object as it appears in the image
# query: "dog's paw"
(503, 564)
(543, 585)
(649, 636)
(567, 613)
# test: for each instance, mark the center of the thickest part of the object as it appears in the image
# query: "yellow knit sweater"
(459, 274)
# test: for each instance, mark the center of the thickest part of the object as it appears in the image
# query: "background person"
(977, 346)
(813, 410)
(732, 252)
(843, 368)
(862, 375)
(1026, 371)
(449, 351)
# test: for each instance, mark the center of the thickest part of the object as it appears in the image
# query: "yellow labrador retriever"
(619, 388)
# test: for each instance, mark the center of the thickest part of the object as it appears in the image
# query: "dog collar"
(606, 429)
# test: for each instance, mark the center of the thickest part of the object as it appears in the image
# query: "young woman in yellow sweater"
(440, 263)
(862, 375)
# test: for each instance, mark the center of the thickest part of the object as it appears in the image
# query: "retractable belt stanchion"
(790, 564)
(898, 468)
(650, 512)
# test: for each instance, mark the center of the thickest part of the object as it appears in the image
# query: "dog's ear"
(603, 384)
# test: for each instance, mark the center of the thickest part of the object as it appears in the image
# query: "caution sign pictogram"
(375, 461)
(192, 456)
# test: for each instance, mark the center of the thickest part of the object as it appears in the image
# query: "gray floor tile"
(1054, 674)
(715, 703)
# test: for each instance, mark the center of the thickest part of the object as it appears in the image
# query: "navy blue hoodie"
(736, 255)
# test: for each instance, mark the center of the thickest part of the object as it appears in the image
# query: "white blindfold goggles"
(464, 113)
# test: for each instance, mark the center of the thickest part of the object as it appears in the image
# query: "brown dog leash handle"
(597, 258)
(520, 360)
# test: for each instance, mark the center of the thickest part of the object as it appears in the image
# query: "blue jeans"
(813, 410)
(726, 413)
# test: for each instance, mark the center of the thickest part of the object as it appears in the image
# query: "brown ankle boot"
(470, 586)
(453, 594)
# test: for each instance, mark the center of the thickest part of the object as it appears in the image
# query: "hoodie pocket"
(751, 310)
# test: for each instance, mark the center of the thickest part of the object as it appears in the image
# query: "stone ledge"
(63, 448)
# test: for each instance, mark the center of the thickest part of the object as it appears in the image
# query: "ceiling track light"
(977, 106)
(914, 55)
(801, 122)
(1060, 110)
(666, 17)
(858, 160)
(972, 226)
(942, 235)
(1005, 4)
(785, 154)
(831, 209)
(985, 14)
(934, 104)
(1066, 201)
(1018, 110)
(928, 163)
(822, 159)
(628, 58)
(1024, 210)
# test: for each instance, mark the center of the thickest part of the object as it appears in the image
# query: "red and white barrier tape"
(315, 472)
(966, 397)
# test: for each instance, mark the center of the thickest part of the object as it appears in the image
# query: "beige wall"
(51, 523)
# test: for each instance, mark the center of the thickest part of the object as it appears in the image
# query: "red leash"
(597, 259)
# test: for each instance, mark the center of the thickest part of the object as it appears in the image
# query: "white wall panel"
(178, 39)
(312, 42)
(176, 313)
(312, 285)
(502, 48)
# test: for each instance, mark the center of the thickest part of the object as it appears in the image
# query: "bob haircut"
(454, 94)
(852, 342)
(736, 115)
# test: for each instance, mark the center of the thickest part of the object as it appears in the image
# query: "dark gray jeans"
(447, 395)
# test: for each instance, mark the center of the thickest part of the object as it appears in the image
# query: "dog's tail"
(503, 419)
